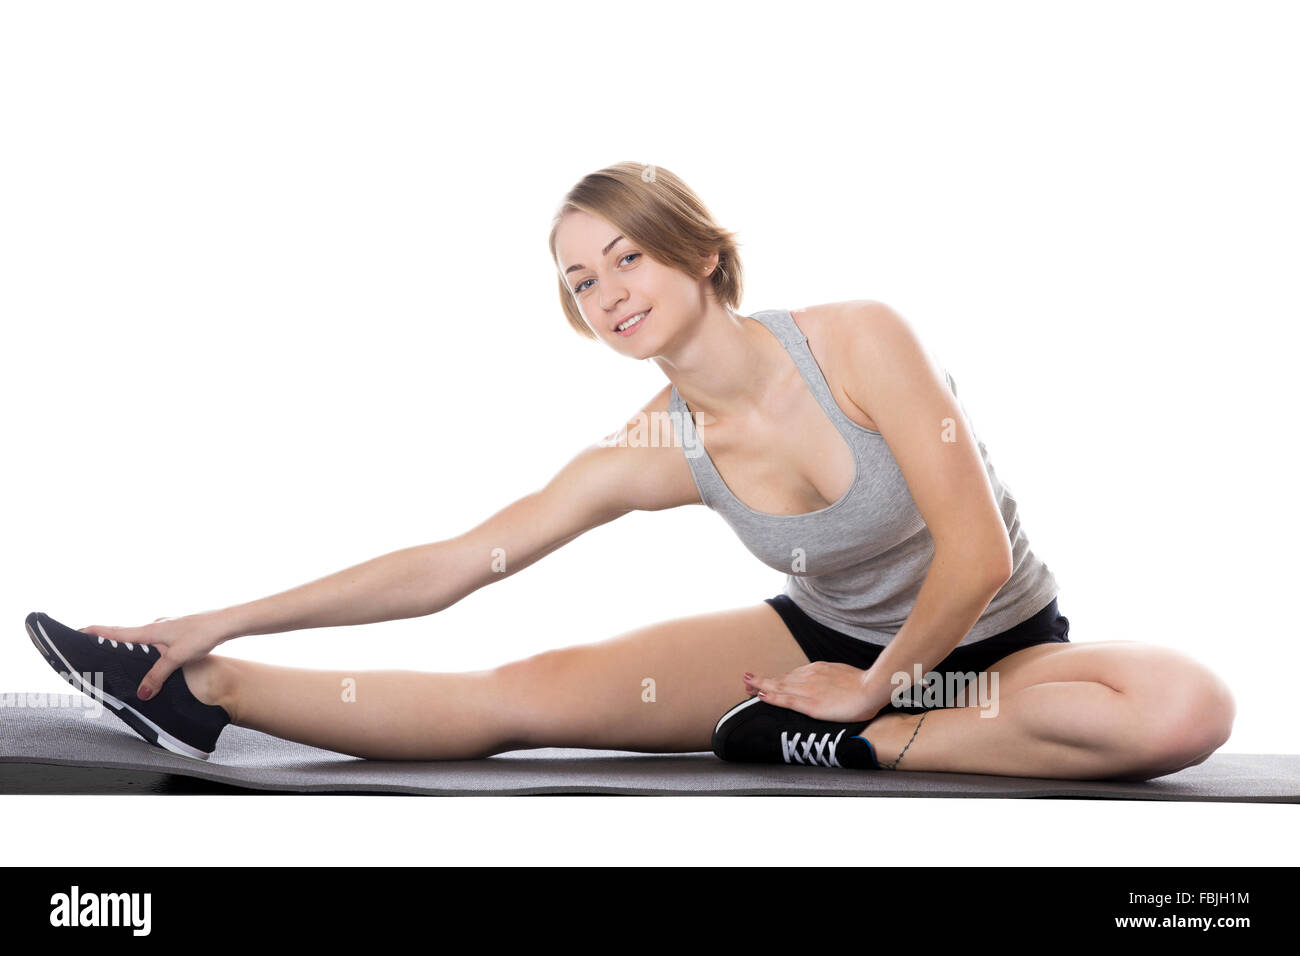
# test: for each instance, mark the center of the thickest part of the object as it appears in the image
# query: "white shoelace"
(813, 750)
(129, 646)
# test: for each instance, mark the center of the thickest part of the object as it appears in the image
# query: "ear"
(710, 263)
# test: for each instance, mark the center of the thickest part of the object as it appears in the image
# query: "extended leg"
(658, 688)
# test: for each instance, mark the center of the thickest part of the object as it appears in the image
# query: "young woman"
(836, 448)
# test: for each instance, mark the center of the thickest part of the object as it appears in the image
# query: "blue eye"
(582, 285)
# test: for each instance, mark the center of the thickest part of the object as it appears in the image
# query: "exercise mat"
(71, 749)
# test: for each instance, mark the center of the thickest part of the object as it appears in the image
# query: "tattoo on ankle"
(894, 765)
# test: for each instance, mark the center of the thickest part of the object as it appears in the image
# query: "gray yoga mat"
(34, 741)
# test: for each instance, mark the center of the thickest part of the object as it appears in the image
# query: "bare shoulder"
(646, 460)
(848, 340)
(842, 325)
(870, 348)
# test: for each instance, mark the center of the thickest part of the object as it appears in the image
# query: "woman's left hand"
(823, 690)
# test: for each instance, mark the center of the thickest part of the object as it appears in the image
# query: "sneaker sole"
(137, 721)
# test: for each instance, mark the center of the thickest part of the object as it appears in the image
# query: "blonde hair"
(658, 212)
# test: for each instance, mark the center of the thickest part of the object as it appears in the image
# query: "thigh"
(659, 688)
(1181, 706)
(1161, 675)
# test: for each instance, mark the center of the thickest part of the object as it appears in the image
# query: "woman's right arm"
(426, 578)
(600, 483)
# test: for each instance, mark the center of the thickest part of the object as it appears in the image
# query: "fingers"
(159, 673)
(777, 691)
(778, 698)
(154, 680)
(771, 689)
(123, 635)
(99, 630)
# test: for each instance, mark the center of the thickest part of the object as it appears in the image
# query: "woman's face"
(612, 279)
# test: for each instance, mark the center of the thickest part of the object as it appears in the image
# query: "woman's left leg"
(1092, 710)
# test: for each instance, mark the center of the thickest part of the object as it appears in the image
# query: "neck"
(723, 366)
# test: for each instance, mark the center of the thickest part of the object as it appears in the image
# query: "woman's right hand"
(178, 640)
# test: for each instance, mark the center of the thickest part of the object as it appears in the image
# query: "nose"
(611, 295)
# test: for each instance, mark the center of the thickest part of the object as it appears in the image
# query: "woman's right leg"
(657, 689)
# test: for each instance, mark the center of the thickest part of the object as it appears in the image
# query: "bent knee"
(1195, 720)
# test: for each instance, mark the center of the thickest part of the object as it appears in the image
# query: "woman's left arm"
(951, 600)
(892, 378)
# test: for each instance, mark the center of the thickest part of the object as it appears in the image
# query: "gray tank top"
(857, 565)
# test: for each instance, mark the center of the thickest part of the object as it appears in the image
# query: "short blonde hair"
(658, 212)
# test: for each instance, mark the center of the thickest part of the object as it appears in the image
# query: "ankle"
(210, 679)
(891, 737)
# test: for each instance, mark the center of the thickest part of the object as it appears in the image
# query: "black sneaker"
(755, 731)
(110, 671)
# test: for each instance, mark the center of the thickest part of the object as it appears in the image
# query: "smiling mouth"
(633, 321)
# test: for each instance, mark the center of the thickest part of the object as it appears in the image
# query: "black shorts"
(821, 643)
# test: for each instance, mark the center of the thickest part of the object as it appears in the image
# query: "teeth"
(632, 321)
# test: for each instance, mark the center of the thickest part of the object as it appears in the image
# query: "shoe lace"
(129, 645)
(813, 750)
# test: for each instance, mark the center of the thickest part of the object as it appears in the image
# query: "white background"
(276, 299)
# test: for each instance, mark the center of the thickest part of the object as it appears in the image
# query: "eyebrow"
(603, 252)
